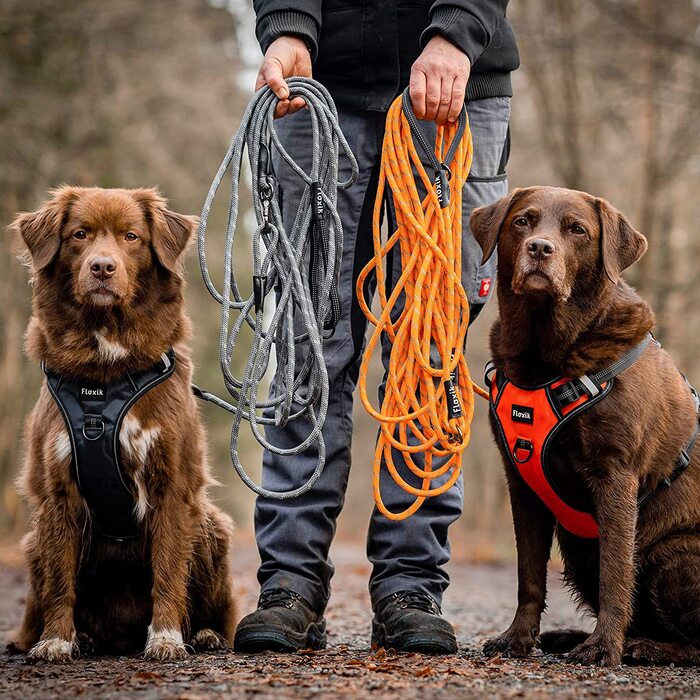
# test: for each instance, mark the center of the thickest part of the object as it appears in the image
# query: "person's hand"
(439, 81)
(285, 57)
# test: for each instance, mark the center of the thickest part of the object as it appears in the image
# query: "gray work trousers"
(294, 536)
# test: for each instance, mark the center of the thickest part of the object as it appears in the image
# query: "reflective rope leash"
(429, 401)
(299, 268)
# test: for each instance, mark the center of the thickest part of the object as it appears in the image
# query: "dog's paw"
(165, 645)
(207, 640)
(19, 642)
(642, 651)
(54, 649)
(511, 643)
(85, 643)
(596, 651)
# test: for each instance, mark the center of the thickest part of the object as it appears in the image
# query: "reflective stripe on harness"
(529, 419)
(93, 414)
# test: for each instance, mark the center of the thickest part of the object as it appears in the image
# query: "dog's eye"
(578, 229)
(131, 236)
(520, 221)
(80, 234)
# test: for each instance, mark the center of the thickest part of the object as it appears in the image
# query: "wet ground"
(480, 603)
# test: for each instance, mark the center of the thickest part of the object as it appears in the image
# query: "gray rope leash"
(307, 303)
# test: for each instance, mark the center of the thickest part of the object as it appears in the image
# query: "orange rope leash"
(419, 402)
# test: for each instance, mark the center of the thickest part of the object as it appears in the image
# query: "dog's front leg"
(171, 555)
(615, 499)
(58, 536)
(534, 529)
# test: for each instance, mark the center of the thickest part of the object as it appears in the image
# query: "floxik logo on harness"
(522, 414)
(92, 392)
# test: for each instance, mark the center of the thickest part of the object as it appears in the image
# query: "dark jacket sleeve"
(468, 24)
(276, 18)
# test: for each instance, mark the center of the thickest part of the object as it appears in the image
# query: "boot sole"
(413, 641)
(260, 638)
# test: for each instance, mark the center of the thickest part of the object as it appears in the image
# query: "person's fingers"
(296, 104)
(433, 90)
(259, 79)
(274, 77)
(282, 109)
(459, 90)
(416, 90)
(445, 100)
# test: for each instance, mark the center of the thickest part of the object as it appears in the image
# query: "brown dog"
(564, 311)
(107, 302)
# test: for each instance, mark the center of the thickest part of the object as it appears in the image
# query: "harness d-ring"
(97, 423)
(522, 444)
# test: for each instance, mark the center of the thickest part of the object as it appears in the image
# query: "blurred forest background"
(132, 93)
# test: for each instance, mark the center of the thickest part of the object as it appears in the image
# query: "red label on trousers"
(485, 287)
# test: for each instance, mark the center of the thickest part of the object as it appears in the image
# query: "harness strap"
(93, 415)
(592, 384)
(682, 461)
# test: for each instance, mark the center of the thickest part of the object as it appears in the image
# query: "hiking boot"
(411, 621)
(284, 621)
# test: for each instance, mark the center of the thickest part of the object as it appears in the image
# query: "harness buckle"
(489, 371)
(93, 426)
(567, 393)
(683, 460)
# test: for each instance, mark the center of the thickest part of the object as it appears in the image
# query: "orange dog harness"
(529, 419)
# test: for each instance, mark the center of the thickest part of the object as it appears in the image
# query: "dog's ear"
(41, 230)
(486, 222)
(170, 232)
(620, 244)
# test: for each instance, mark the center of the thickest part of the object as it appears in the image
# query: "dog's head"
(100, 246)
(552, 241)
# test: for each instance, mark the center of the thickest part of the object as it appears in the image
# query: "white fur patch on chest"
(110, 350)
(61, 445)
(136, 442)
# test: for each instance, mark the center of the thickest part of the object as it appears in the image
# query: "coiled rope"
(428, 404)
(299, 267)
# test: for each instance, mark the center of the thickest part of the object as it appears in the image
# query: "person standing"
(365, 53)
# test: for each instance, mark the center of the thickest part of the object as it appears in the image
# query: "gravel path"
(479, 603)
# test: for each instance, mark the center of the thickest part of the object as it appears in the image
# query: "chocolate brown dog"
(565, 312)
(107, 308)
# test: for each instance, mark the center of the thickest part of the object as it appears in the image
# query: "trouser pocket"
(487, 182)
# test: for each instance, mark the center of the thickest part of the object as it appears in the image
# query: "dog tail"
(561, 641)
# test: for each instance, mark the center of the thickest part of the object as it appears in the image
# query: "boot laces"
(279, 598)
(416, 601)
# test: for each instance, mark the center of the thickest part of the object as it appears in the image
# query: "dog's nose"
(103, 268)
(540, 248)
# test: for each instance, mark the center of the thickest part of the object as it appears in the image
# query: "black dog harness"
(529, 419)
(93, 414)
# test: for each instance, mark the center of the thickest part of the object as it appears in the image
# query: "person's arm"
(278, 18)
(468, 24)
(458, 33)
